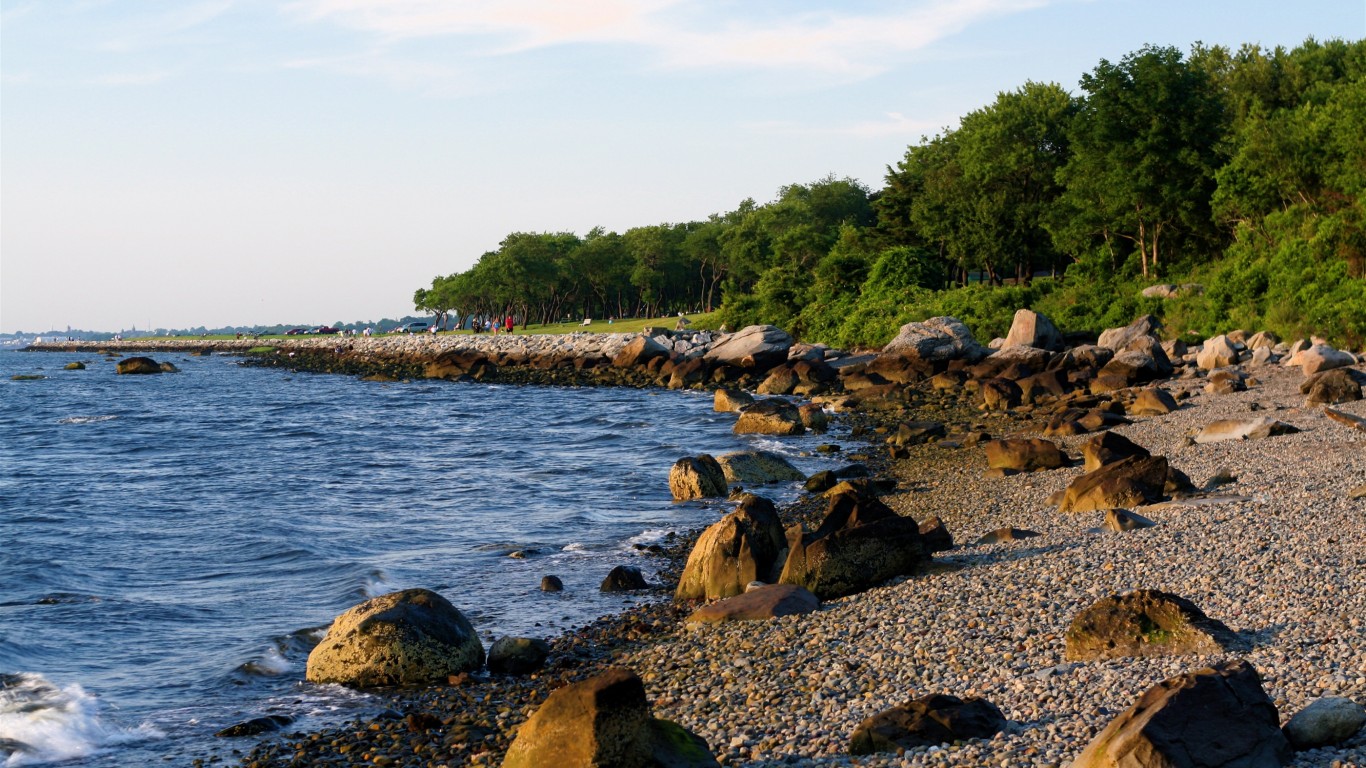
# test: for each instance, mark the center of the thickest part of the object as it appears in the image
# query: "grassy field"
(704, 321)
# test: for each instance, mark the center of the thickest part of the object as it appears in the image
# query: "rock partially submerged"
(403, 638)
(138, 365)
(746, 545)
(757, 468)
(697, 477)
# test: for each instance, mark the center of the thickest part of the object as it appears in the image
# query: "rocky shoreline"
(1265, 533)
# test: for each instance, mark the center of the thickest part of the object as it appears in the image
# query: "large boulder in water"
(746, 545)
(600, 722)
(756, 346)
(1033, 329)
(860, 544)
(403, 638)
(757, 468)
(936, 339)
(697, 477)
(1218, 717)
(138, 365)
(770, 417)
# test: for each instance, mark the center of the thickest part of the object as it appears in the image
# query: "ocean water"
(172, 546)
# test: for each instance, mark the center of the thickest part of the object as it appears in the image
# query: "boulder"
(1217, 352)
(1086, 356)
(1119, 339)
(1144, 622)
(639, 352)
(1037, 387)
(767, 602)
(1325, 722)
(1126, 483)
(935, 536)
(731, 400)
(1121, 520)
(820, 482)
(1153, 401)
(1006, 534)
(1107, 448)
(757, 346)
(1024, 455)
(1346, 419)
(697, 477)
(925, 722)
(518, 655)
(814, 417)
(1139, 364)
(256, 726)
(1001, 394)
(860, 543)
(1012, 363)
(1243, 429)
(1263, 339)
(410, 637)
(551, 584)
(603, 722)
(138, 365)
(935, 340)
(780, 381)
(1337, 385)
(1074, 421)
(1226, 381)
(746, 545)
(76, 366)
(757, 468)
(1322, 357)
(1218, 717)
(770, 417)
(1032, 329)
(623, 578)
(918, 432)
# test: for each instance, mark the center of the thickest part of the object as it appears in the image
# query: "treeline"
(1242, 170)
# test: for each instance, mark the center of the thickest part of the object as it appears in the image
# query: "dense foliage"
(1239, 170)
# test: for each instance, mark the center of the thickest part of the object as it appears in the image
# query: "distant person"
(432, 330)
(507, 322)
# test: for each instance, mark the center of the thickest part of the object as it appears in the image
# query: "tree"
(1144, 152)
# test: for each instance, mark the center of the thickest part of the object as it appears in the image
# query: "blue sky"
(214, 162)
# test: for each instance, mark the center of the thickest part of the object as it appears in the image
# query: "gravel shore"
(1277, 555)
(1282, 568)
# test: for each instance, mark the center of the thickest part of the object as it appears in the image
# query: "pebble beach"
(1273, 546)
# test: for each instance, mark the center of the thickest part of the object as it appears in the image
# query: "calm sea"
(172, 546)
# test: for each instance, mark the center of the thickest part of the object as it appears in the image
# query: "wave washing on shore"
(176, 544)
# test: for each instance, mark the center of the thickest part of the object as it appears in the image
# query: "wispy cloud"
(682, 34)
(155, 28)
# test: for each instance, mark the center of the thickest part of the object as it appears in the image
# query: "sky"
(178, 163)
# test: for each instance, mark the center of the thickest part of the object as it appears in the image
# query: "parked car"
(325, 329)
(414, 328)
(296, 331)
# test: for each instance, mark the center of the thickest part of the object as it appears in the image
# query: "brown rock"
(603, 722)
(402, 638)
(1243, 429)
(746, 545)
(1006, 534)
(697, 477)
(1144, 622)
(935, 536)
(731, 400)
(1338, 385)
(1129, 482)
(770, 417)
(639, 352)
(1024, 455)
(1218, 717)
(1153, 401)
(138, 365)
(766, 602)
(1121, 520)
(1108, 448)
(925, 722)
(1001, 394)
(860, 544)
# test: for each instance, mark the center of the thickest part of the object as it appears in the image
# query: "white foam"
(272, 662)
(84, 419)
(48, 724)
(575, 546)
(649, 536)
(378, 584)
